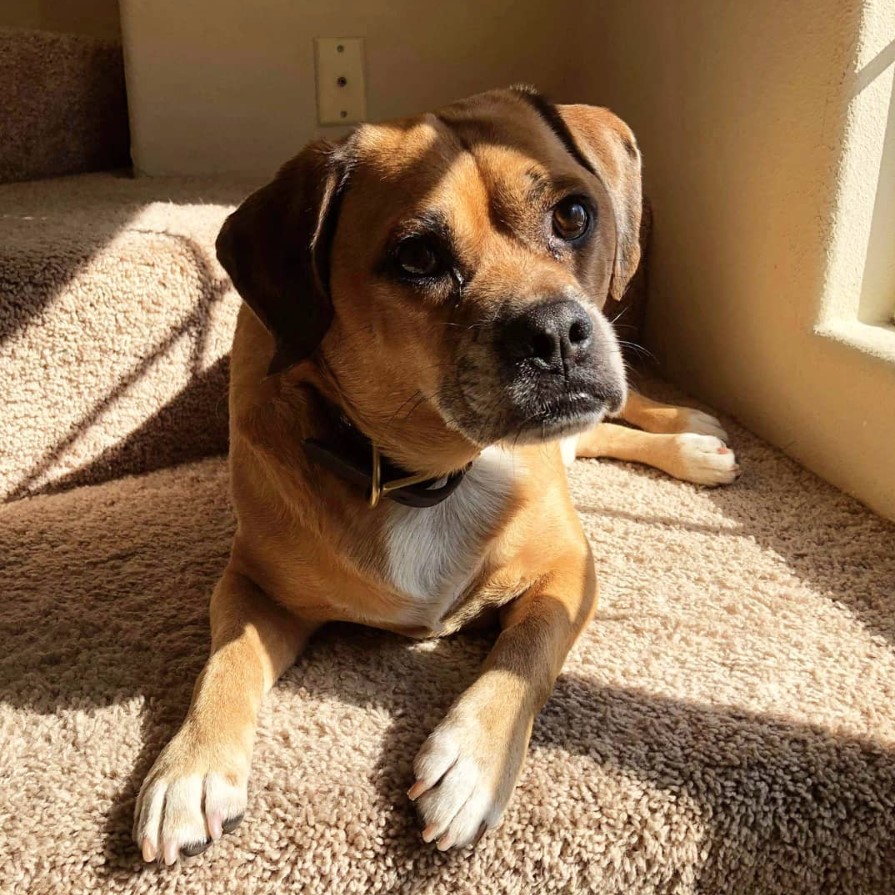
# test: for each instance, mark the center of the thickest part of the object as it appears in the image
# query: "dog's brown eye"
(417, 258)
(571, 219)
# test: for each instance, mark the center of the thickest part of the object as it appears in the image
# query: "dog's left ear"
(609, 146)
(276, 248)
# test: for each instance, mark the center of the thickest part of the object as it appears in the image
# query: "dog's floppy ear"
(608, 144)
(276, 248)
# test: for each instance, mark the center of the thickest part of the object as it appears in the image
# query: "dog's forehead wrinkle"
(516, 120)
(414, 149)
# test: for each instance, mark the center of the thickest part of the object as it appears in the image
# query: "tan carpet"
(727, 724)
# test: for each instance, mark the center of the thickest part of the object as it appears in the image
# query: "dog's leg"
(667, 419)
(703, 459)
(197, 787)
(467, 768)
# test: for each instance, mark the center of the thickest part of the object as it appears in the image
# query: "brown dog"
(425, 328)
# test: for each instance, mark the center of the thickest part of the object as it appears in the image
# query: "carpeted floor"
(726, 725)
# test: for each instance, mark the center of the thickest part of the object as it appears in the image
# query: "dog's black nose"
(553, 336)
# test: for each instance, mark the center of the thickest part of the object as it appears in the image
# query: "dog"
(420, 352)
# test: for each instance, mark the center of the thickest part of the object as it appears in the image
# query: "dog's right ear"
(276, 248)
(609, 144)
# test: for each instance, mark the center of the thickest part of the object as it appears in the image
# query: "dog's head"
(446, 274)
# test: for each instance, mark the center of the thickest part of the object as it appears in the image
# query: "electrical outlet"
(341, 88)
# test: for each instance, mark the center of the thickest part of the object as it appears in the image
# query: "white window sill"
(877, 341)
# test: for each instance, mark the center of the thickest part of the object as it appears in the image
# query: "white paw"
(703, 459)
(188, 801)
(463, 783)
(699, 423)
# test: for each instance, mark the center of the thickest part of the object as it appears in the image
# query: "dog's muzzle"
(562, 370)
(550, 369)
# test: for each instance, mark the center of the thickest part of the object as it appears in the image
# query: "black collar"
(353, 456)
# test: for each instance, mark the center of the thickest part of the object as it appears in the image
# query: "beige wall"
(228, 86)
(96, 18)
(762, 212)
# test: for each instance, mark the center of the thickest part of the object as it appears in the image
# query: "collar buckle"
(380, 489)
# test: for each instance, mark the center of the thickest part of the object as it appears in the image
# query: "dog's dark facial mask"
(544, 363)
(541, 373)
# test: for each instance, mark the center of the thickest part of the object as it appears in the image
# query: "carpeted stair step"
(63, 107)
(115, 324)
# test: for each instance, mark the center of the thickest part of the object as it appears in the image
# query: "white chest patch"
(434, 553)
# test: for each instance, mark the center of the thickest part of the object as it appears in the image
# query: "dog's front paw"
(195, 792)
(465, 774)
(703, 459)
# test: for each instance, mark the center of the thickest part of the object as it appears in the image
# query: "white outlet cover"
(341, 86)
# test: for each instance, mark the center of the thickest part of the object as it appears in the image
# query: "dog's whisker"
(401, 406)
(634, 346)
(618, 316)
(423, 399)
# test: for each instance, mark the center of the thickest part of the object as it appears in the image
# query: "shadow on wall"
(877, 277)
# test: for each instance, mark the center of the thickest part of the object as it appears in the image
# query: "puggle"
(421, 351)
